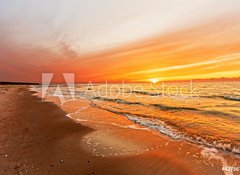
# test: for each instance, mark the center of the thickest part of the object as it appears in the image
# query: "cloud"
(193, 51)
(225, 58)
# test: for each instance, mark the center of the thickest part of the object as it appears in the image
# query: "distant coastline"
(17, 83)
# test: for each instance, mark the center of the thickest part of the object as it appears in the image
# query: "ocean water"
(205, 113)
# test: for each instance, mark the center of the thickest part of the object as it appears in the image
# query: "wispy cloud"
(220, 59)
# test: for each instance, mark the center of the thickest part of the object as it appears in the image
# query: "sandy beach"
(48, 138)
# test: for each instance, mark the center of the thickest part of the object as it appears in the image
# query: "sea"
(204, 113)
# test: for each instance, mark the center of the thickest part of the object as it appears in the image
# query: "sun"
(153, 80)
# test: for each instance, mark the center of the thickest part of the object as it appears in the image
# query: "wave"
(205, 112)
(172, 130)
(146, 93)
(156, 125)
(160, 106)
(173, 108)
(117, 100)
(164, 128)
(231, 98)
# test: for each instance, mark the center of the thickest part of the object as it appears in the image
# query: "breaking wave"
(162, 127)
(170, 129)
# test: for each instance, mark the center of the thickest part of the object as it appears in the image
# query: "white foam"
(70, 115)
(74, 113)
(160, 126)
(212, 153)
(156, 125)
(113, 124)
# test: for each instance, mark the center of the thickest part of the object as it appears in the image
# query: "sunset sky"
(131, 40)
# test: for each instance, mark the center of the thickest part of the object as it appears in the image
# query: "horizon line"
(223, 79)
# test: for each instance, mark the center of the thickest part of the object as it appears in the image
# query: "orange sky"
(206, 51)
(209, 49)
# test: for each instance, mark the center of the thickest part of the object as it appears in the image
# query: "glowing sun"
(153, 80)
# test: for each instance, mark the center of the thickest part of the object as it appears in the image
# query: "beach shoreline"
(38, 138)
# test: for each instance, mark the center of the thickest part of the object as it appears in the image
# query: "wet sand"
(38, 138)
